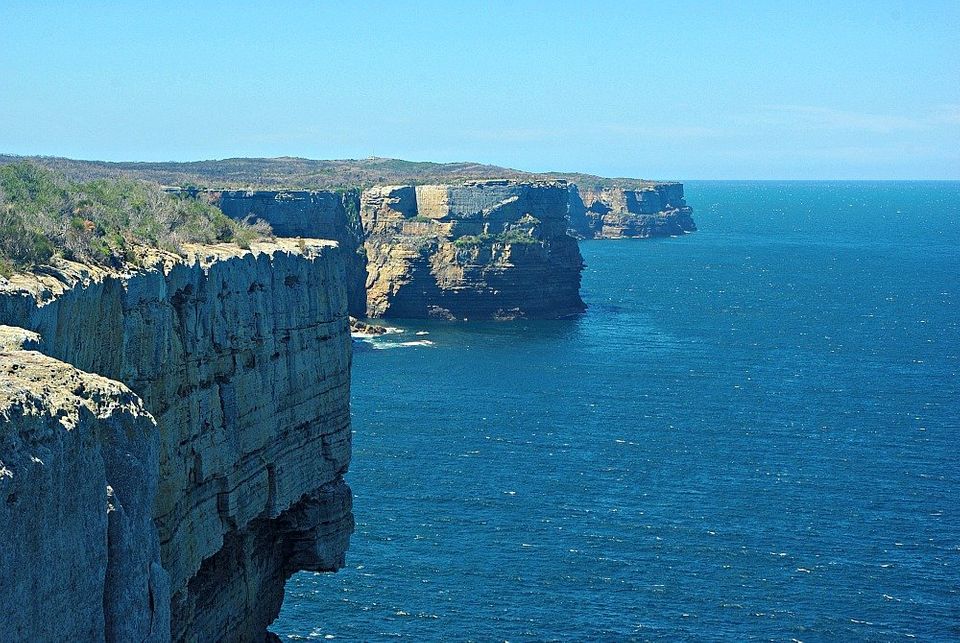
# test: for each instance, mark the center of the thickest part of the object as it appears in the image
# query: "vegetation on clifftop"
(43, 215)
(300, 173)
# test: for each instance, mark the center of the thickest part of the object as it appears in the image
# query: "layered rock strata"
(497, 249)
(316, 214)
(613, 213)
(172, 443)
(485, 249)
(78, 477)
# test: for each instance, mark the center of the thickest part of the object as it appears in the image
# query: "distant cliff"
(484, 249)
(492, 249)
(314, 214)
(172, 442)
(616, 212)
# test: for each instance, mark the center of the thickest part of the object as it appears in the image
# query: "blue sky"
(663, 90)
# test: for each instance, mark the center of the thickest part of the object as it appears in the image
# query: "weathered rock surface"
(613, 213)
(484, 249)
(492, 249)
(316, 214)
(174, 492)
(78, 476)
(358, 327)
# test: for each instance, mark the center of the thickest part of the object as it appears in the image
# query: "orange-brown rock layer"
(479, 250)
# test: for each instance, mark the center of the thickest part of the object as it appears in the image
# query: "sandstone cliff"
(497, 249)
(615, 212)
(482, 249)
(172, 443)
(315, 214)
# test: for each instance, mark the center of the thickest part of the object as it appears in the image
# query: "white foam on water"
(380, 345)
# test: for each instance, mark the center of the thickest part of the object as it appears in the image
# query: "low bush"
(19, 244)
(507, 237)
(471, 240)
(516, 236)
(102, 221)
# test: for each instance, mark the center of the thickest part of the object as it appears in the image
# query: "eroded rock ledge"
(172, 443)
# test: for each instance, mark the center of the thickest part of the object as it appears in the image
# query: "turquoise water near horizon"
(752, 433)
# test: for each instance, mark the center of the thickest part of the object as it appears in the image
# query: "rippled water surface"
(754, 431)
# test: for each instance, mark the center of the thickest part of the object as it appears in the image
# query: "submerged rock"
(363, 328)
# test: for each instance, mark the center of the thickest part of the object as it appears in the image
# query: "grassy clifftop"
(44, 215)
(290, 172)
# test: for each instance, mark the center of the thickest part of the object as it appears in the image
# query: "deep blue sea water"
(753, 432)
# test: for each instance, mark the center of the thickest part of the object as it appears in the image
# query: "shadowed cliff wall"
(314, 215)
(172, 442)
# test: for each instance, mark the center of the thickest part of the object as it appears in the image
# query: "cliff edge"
(494, 249)
(172, 442)
(313, 214)
(475, 249)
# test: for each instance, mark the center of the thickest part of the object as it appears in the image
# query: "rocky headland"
(173, 442)
(445, 240)
(601, 212)
(476, 249)
(484, 249)
(496, 249)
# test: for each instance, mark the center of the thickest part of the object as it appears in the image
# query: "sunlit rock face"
(491, 249)
(172, 442)
(613, 213)
(477, 250)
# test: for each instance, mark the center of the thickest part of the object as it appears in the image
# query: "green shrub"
(471, 240)
(19, 244)
(516, 236)
(102, 221)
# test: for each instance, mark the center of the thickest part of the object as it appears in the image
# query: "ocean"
(752, 433)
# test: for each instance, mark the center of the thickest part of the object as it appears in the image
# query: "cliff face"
(184, 428)
(491, 249)
(78, 476)
(612, 213)
(485, 249)
(313, 215)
